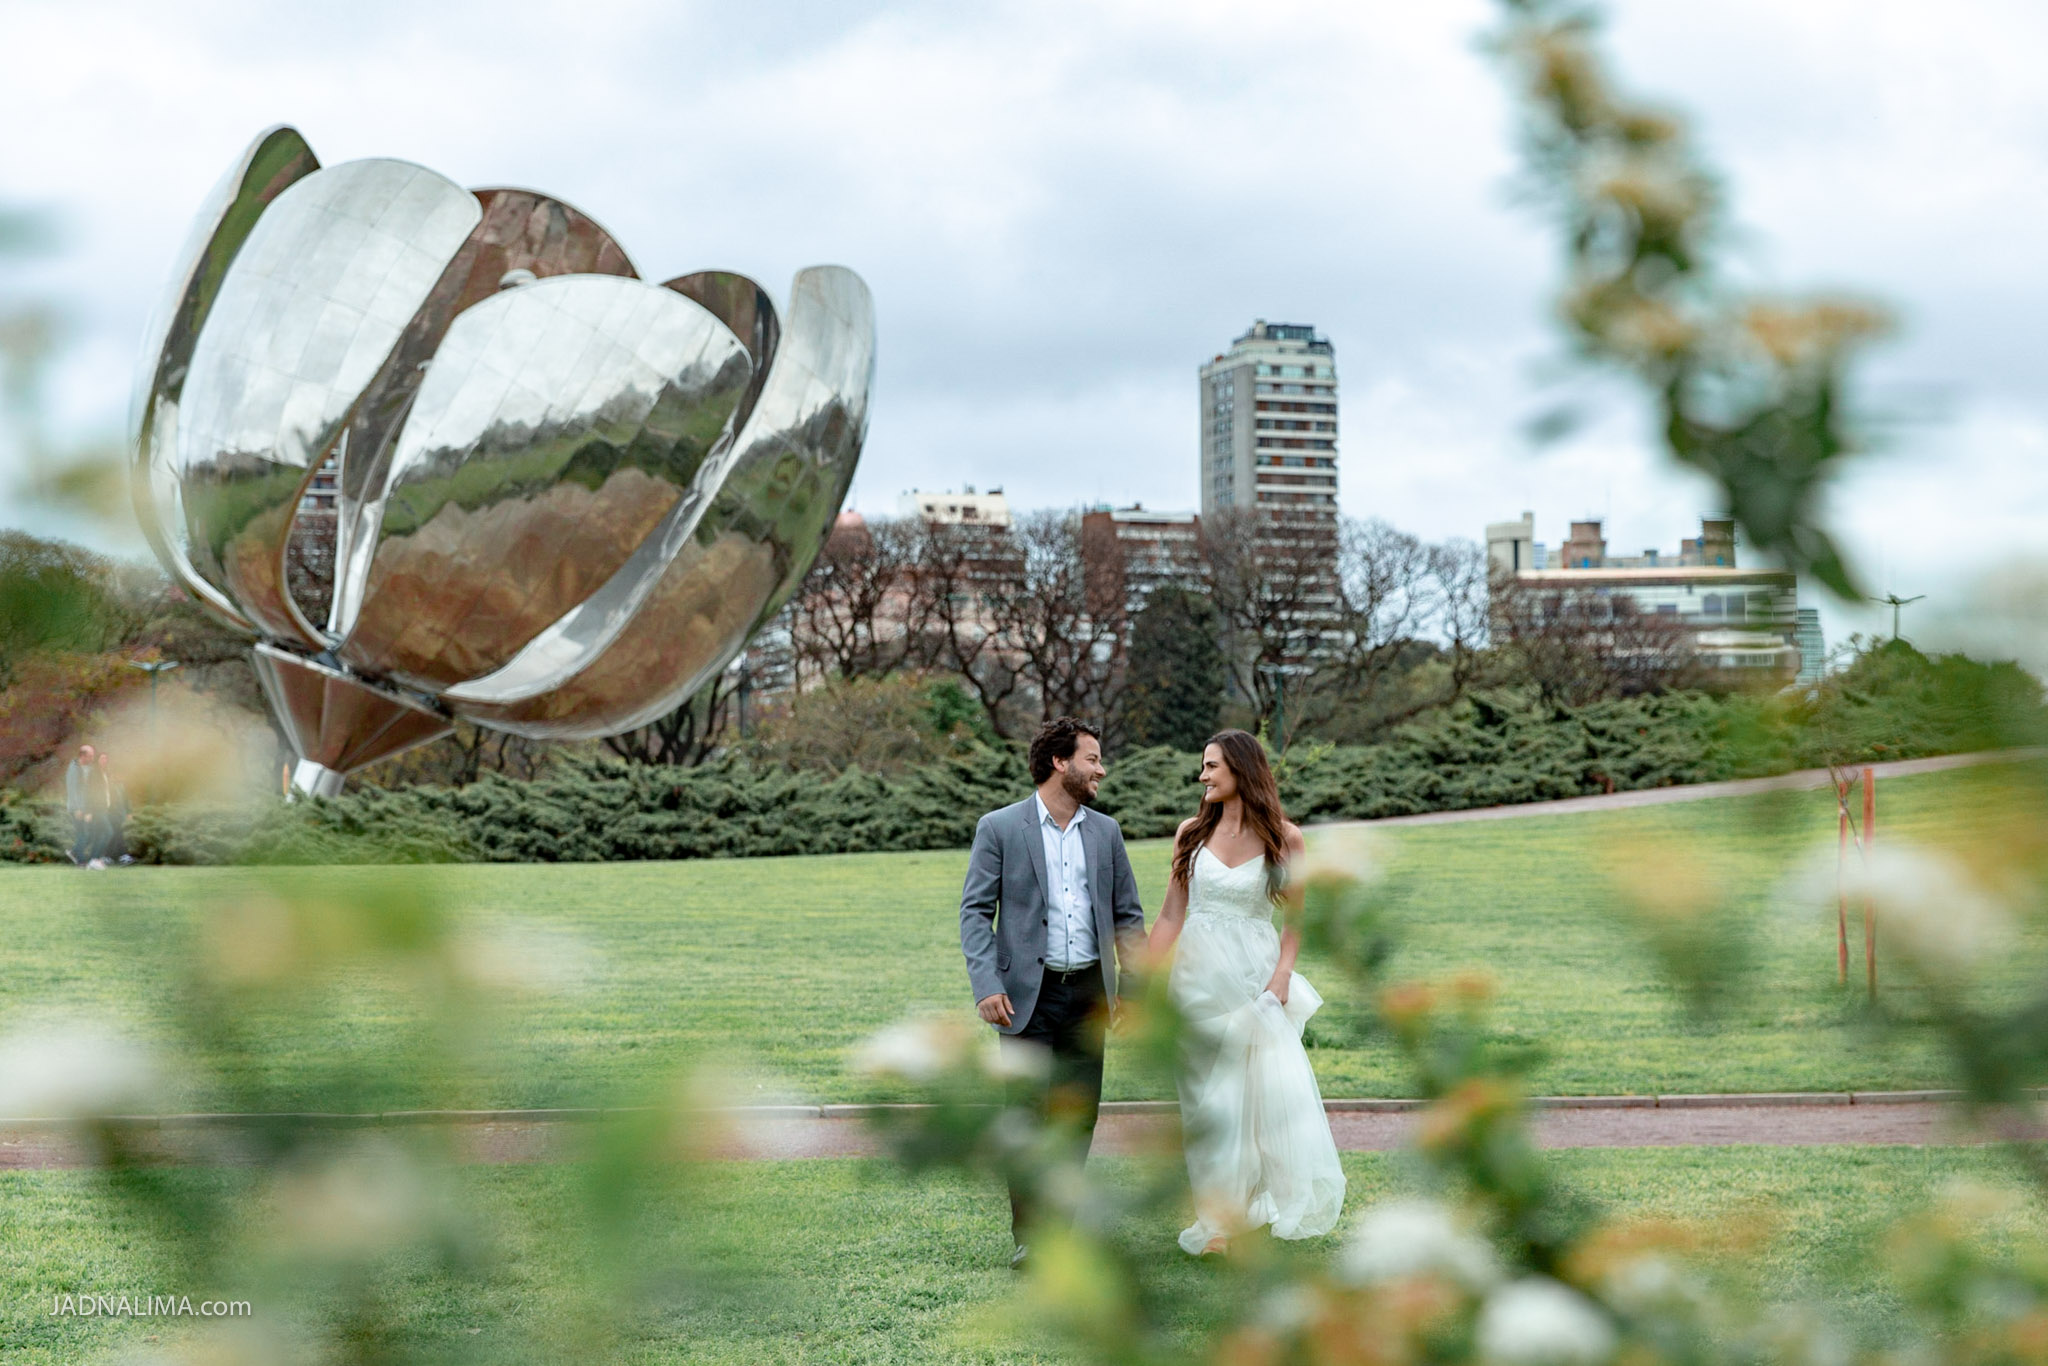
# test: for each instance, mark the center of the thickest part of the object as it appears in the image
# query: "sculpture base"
(338, 722)
(316, 780)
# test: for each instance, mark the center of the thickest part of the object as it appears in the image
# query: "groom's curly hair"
(1056, 739)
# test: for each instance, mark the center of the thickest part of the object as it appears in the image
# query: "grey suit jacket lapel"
(1034, 842)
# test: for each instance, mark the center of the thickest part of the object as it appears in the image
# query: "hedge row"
(1488, 751)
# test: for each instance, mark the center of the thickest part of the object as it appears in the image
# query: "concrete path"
(1805, 780)
(782, 1133)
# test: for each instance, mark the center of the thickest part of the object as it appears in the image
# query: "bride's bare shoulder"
(1184, 826)
(1292, 833)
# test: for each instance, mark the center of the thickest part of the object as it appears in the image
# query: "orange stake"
(1841, 892)
(1870, 901)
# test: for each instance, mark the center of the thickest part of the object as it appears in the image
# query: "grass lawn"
(846, 1262)
(779, 966)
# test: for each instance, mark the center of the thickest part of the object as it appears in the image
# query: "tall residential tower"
(1269, 424)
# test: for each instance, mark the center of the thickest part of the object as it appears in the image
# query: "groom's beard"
(1077, 787)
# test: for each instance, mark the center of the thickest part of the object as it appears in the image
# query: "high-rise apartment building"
(1269, 424)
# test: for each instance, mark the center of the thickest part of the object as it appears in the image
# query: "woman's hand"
(1278, 986)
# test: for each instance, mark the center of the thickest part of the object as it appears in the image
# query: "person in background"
(79, 779)
(113, 845)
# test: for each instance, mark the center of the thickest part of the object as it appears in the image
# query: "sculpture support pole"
(338, 722)
(313, 779)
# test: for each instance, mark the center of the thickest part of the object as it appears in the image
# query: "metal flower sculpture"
(563, 498)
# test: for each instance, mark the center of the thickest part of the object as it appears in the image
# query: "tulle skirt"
(1258, 1144)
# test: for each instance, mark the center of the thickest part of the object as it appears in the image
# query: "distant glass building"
(1813, 648)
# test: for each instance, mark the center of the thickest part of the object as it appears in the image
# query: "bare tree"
(687, 736)
(1274, 582)
(1578, 645)
(1384, 605)
(1410, 630)
(857, 613)
(460, 758)
(1061, 615)
(962, 572)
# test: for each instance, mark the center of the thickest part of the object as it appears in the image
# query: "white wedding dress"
(1258, 1143)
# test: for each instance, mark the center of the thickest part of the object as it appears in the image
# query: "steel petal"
(312, 305)
(520, 230)
(276, 159)
(760, 526)
(558, 425)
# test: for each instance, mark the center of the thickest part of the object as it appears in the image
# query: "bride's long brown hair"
(1259, 795)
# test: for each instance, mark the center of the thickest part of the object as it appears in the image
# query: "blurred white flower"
(1338, 853)
(75, 1069)
(1537, 1322)
(512, 956)
(1929, 908)
(1288, 1309)
(1417, 1238)
(1011, 1059)
(916, 1050)
(359, 1202)
(1654, 1284)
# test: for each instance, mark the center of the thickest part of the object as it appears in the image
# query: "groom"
(1049, 908)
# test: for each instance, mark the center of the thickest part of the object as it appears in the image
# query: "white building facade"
(1744, 623)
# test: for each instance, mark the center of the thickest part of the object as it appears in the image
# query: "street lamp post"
(1896, 603)
(155, 668)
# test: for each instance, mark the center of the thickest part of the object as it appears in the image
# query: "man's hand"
(995, 1009)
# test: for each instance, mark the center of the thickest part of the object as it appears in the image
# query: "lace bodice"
(1216, 888)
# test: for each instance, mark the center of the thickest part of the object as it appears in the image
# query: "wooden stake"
(1870, 900)
(1841, 891)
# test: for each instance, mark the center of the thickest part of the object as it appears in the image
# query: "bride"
(1258, 1144)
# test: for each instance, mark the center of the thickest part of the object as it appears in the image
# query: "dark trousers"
(1069, 1020)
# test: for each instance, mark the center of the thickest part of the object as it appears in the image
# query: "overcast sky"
(1064, 208)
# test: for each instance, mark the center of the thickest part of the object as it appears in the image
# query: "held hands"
(995, 1009)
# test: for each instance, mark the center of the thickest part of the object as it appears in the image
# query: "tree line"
(910, 638)
(1340, 630)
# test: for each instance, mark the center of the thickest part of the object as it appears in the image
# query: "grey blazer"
(1003, 906)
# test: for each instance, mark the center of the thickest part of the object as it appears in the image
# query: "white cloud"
(1065, 207)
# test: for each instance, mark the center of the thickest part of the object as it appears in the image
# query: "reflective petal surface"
(558, 425)
(577, 638)
(313, 303)
(277, 158)
(520, 230)
(760, 525)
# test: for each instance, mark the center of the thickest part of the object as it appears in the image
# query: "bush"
(1492, 749)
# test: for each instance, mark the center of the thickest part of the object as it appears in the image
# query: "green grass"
(842, 1261)
(778, 966)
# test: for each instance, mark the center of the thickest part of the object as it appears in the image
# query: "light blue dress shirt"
(1070, 928)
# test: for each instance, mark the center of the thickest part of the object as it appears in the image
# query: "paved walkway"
(1805, 780)
(781, 1133)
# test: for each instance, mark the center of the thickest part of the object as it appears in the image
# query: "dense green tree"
(1174, 689)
